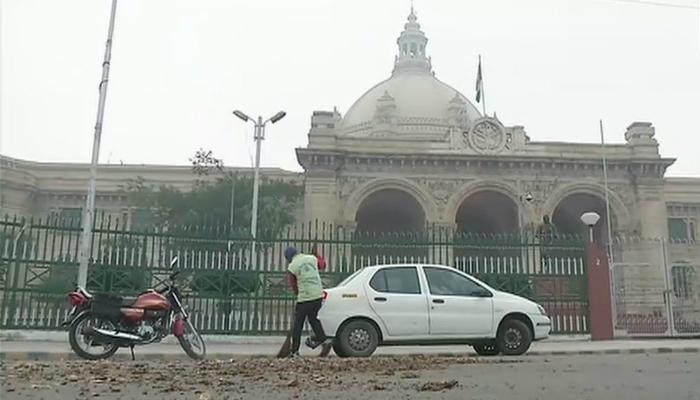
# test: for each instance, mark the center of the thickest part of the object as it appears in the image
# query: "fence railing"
(236, 290)
(656, 287)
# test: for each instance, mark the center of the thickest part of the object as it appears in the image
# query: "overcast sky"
(180, 67)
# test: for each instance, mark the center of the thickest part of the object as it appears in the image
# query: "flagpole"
(483, 93)
(607, 192)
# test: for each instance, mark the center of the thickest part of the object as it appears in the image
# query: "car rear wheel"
(486, 349)
(358, 338)
(337, 349)
(514, 337)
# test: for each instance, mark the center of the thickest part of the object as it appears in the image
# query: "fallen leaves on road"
(438, 386)
(236, 375)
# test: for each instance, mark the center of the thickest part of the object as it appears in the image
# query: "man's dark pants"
(307, 310)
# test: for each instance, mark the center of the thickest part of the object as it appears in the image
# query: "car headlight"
(542, 310)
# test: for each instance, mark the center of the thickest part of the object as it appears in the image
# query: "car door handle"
(438, 301)
(382, 299)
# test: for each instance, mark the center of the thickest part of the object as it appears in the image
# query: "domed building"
(413, 151)
(414, 154)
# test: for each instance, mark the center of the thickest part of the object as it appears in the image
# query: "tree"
(204, 163)
(206, 208)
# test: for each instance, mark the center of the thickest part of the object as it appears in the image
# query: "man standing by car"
(306, 282)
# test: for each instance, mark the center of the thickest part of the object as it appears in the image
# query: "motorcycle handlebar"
(163, 290)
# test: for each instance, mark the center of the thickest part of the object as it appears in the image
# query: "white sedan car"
(426, 305)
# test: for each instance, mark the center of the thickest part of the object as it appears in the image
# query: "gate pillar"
(599, 292)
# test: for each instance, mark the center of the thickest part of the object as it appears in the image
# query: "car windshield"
(349, 278)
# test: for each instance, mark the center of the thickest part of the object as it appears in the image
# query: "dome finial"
(412, 43)
(412, 18)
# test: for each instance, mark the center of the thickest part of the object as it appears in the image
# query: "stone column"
(320, 198)
(530, 219)
(346, 237)
(651, 211)
(443, 251)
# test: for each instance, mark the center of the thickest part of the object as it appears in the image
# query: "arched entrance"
(390, 211)
(566, 217)
(390, 224)
(488, 212)
(480, 217)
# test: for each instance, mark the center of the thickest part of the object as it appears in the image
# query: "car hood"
(509, 298)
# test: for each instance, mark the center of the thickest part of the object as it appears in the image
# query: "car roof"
(378, 266)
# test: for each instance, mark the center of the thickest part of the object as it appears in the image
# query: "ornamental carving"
(348, 185)
(386, 109)
(537, 191)
(488, 136)
(440, 189)
(458, 112)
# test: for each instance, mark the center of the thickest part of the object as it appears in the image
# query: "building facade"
(37, 189)
(413, 151)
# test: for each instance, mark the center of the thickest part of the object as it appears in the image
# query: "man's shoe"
(294, 355)
(312, 343)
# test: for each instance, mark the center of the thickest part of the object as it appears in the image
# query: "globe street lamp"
(590, 218)
(258, 136)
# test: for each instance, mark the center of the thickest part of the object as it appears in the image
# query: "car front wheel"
(358, 338)
(514, 337)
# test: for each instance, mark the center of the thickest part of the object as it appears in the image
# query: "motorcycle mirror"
(173, 263)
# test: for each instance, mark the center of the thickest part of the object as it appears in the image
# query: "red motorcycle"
(101, 323)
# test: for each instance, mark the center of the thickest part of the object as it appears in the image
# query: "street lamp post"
(258, 136)
(89, 214)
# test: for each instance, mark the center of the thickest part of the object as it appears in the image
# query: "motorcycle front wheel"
(84, 345)
(192, 342)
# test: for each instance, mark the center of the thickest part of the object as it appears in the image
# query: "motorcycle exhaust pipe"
(112, 336)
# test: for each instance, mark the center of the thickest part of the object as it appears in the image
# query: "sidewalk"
(47, 350)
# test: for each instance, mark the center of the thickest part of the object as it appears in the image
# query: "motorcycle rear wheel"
(192, 342)
(82, 344)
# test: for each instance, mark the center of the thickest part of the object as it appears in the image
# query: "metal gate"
(656, 288)
(234, 290)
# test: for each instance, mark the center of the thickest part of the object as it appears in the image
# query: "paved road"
(270, 346)
(619, 377)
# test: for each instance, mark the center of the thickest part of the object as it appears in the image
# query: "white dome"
(417, 95)
(412, 100)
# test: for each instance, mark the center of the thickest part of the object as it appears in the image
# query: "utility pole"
(89, 214)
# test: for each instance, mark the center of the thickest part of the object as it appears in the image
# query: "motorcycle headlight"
(542, 310)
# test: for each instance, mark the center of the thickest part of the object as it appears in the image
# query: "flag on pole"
(479, 83)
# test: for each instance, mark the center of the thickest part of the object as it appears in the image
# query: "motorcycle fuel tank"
(152, 300)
